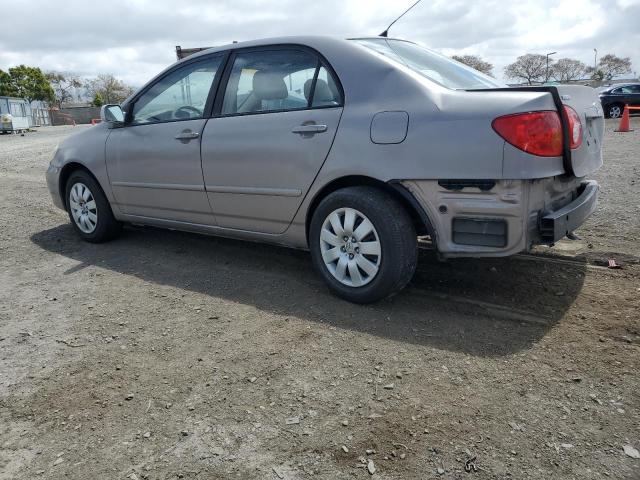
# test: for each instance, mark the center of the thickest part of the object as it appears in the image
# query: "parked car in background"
(615, 97)
(349, 148)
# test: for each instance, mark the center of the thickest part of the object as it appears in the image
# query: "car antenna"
(385, 34)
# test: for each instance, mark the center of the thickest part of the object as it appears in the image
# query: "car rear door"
(276, 115)
(634, 96)
(154, 160)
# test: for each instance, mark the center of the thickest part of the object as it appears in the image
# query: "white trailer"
(14, 115)
(11, 124)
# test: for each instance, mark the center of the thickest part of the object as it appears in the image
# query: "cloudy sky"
(135, 39)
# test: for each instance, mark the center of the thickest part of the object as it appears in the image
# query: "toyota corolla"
(350, 148)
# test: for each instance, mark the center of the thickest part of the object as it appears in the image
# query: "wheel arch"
(394, 188)
(65, 173)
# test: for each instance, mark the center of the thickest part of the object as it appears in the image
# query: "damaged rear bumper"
(556, 225)
(505, 218)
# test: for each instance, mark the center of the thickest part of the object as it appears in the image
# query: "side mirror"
(112, 114)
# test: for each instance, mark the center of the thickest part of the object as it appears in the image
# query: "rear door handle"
(187, 136)
(312, 128)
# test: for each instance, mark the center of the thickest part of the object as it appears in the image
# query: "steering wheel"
(185, 112)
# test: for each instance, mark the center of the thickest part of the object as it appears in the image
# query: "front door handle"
(309, 129)
(187, 135)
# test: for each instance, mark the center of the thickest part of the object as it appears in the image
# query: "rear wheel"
(615, 110)
(89, 209)
(363, 243)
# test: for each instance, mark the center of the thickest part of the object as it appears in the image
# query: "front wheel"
(89, 209)
(363, 243)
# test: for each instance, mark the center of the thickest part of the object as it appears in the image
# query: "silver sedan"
(351, 148)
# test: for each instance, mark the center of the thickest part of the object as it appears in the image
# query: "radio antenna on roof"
(386, 32)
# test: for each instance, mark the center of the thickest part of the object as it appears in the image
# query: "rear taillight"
(575, 127)
(538, 133)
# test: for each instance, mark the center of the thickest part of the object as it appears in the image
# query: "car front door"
(154, 160)
(274, 122)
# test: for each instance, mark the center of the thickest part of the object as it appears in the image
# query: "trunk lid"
(584, 100)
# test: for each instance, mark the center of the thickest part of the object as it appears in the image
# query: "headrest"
(269, 86)
(322, 94)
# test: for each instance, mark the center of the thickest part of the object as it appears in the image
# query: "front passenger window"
(181, 95)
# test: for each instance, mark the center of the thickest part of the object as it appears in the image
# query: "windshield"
(432, 65)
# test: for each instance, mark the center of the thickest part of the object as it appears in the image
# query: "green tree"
(98, 101)
(5, 80)
(26, 82)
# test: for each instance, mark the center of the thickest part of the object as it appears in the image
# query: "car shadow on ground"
(483, 307)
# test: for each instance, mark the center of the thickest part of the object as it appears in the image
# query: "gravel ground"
(167, 355)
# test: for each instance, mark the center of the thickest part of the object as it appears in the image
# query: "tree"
(567, 69)
(529, 68)
(109, 87)
(63, 85)
(476, 62)
(26, 82)
(5, 79)
(98, 101)
(609, 67)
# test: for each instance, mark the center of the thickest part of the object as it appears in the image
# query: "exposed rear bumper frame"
(556, 225)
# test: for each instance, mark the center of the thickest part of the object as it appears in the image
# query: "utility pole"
(547, 75)
(595, 59)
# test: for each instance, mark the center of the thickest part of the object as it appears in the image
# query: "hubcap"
(350, 247)
(614, 112)
(83, 207)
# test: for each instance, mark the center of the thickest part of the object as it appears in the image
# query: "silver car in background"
(351, 148)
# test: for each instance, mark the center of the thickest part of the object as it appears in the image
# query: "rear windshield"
(435, 67)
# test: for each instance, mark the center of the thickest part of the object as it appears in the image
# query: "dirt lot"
(167, 355)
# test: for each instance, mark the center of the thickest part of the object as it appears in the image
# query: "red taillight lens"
(575, 127)
(538, 133)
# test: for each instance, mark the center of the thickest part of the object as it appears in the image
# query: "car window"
(273, 80)
(326, 91)
(181, 95)
(432, 65)
(634, 88)
(623, 90)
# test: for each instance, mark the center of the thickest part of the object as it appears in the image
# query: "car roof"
(314, 41)
(618, 85)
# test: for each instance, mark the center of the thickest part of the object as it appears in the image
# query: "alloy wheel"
(615, 111)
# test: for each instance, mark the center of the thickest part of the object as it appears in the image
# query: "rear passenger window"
(278, 80)
(326, 92)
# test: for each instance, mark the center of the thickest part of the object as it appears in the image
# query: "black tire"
(106, 226)
(396, 234)
(615, 110)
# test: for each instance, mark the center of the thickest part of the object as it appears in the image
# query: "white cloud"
(136, 39)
